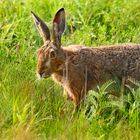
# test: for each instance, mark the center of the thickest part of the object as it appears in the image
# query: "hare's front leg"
(76, 101)
(73, 95)
(65, 94)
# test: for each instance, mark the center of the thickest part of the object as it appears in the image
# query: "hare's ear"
(58, 27)
(42, 27)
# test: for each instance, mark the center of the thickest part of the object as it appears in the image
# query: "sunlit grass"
(32, 109)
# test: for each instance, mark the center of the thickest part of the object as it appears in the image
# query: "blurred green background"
(32, 109)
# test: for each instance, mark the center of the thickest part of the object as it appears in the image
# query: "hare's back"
(121, 60)
(117, 59)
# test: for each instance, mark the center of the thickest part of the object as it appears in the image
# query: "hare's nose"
(41, 74)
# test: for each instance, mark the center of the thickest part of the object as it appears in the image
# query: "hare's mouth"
(42, 75)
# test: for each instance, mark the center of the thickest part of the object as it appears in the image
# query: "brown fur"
(79, 69)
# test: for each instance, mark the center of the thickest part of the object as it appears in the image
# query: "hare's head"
(50, 56)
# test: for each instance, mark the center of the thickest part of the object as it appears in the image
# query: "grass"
(31, 109)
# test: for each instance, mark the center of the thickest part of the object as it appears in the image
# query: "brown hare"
(78, 68)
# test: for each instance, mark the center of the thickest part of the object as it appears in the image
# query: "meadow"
(32, 109)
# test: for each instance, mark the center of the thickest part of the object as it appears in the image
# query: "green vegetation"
(32, 109)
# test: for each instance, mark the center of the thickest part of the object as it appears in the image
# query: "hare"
(79, 69)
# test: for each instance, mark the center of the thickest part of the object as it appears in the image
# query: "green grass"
(32, 109)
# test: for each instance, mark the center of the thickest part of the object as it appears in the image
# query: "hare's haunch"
(78, 68)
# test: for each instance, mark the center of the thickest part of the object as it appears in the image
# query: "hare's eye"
(52, 54)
